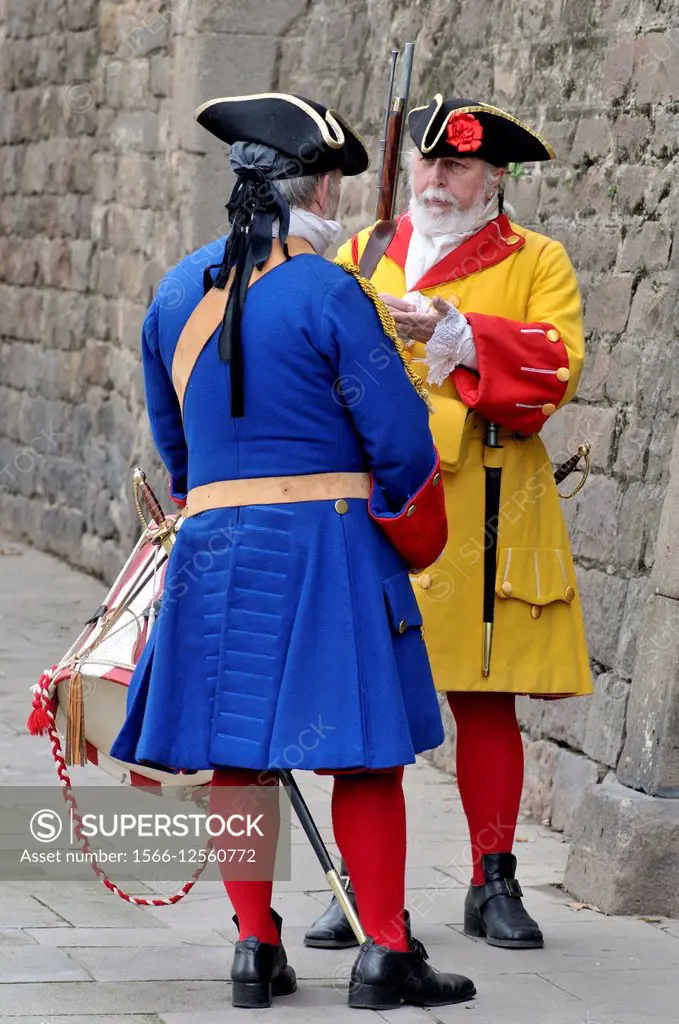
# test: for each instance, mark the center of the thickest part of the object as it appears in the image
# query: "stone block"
(656, 70)
(665, 141)
(160, 75)
(620, 384)
(135, 130)
(634, 519)
(574, 774)
(617, 69)
(638, 593)
(605, 731)
(603, 601)
(594, 534)
(577, 423)
(633, 444)
(653, 307)
(608, 304)
(593, 139)
(647, 247)
(216, 65)
(632, 134)
(541, 760)
(241, 17)
(650, 757)
(563, 721)
(624, 857)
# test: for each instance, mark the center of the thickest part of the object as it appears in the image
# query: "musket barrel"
(404, 92)
(387, 111)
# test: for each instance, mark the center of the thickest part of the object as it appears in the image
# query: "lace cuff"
(451, 344)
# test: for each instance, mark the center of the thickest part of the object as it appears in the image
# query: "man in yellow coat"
(491, 313)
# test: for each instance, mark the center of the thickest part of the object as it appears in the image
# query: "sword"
(319, 848)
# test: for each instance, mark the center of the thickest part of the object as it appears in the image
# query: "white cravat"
(315, 230)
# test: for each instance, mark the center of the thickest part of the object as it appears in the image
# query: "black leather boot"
(332, 930)
(494, 911)
(260, 971)
(382, 979)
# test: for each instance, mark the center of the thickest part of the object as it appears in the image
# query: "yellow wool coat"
(539, 644)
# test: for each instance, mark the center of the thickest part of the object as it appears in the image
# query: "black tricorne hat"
(315, 138)
(462, 127)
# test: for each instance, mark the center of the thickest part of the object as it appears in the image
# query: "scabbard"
(492, 460)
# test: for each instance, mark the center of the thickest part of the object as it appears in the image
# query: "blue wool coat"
(278, 644)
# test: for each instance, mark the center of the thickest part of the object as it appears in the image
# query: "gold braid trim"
(388, 326)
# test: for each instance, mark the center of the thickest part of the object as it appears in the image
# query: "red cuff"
(178, 501)
(420, 531)
(523, 372)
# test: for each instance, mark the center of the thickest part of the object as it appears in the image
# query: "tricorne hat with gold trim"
(316, 139)
(462, 127)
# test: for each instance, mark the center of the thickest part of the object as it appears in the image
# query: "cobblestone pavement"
(72, 952)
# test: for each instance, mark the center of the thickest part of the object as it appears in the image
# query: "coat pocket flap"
(404, 611)
(538, 576)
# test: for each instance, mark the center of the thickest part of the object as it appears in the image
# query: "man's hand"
(412, 323)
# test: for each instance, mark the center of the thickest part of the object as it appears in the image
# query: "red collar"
(492, 244)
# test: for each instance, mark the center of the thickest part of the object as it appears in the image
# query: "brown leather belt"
(276, 490)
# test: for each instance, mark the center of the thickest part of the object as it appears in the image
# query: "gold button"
(512, 239)
(553, 335)
(425, 581)
(402, 626)
(563, 373)
(570, 593)
(341, 506)
(536, 611)
(410, 511)
(435, 480)
(455, 299)
(506, 588)
(548, 408)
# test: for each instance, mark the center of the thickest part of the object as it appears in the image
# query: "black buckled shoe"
(494, 911)
(260, 971)
(332, 930)
(382, 979)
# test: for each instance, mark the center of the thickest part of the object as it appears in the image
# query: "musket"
(391, 143)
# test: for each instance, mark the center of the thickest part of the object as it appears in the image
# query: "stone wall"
(106, 182)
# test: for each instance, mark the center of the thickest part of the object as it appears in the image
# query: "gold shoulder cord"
(388, 325)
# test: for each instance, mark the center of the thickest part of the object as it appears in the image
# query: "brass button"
(563, 373)
(435, 480)
(410, 511)
(455, 300)
(506, 588)
(341, 506)
(402, 626)
(553, 335)
(536, 611)
(425, 581)
(570, 593)
(512, 239)
(548, 408)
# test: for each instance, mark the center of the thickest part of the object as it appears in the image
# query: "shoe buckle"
(513, 887)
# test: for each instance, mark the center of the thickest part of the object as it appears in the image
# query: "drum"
(108, 648)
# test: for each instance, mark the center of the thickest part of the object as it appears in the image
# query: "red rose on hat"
(464, 132)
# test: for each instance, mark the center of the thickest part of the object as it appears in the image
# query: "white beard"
(437, 232)
(431, 221)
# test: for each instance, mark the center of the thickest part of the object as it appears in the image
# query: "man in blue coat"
(299, 446)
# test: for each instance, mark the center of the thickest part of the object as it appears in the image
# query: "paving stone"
(25, 963)
(139, 937)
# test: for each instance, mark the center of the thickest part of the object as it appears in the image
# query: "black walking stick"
(319, 848)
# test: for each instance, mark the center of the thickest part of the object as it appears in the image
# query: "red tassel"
(38, 723)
